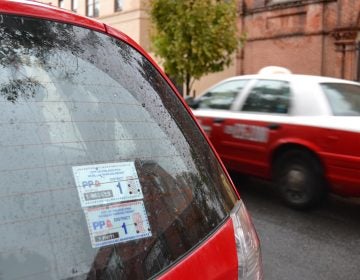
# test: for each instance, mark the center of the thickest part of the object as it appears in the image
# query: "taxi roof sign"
(274, 70)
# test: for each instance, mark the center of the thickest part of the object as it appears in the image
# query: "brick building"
(319, 37)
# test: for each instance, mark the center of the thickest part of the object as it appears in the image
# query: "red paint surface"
(215, 259)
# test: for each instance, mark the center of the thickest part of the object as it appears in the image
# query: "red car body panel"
(210, 260)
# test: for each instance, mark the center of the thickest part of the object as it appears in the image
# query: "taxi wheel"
(299, 177)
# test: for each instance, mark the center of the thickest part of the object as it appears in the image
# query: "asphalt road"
(320, 244)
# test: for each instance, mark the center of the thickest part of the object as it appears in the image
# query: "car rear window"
(104, 175)
(344, 99)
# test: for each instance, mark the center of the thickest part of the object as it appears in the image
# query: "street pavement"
(323, 243)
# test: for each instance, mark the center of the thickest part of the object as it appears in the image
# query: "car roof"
(293, 77)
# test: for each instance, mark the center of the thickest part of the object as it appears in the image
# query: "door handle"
(219, 120)
(273, 126)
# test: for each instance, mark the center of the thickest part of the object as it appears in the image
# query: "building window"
(119, 5)
(61, 3)
(74, 5)
(92, 8)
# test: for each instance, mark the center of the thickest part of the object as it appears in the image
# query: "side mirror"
(192, 102)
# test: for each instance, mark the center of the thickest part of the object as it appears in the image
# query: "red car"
(303, 132)
(104, 172)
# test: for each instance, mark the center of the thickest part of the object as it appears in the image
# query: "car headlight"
(247, 244)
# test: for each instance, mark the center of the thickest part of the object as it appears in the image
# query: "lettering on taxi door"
(248, 132)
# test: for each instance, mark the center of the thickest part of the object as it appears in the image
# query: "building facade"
(129, 16)
(317, 37)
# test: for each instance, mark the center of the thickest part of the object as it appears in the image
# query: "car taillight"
(247, 244)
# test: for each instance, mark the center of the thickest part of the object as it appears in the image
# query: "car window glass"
(268, 96)
(222, 96)
(104, 175)
(344, 99)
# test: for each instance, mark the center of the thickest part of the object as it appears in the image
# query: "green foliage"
(194, 37)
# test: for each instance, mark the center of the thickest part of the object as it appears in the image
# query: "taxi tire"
(300, 179)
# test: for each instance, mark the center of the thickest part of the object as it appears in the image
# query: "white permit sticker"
(117, 223)
(107, 183)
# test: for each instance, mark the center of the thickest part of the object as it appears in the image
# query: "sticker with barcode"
(117, 223)
(101, 184)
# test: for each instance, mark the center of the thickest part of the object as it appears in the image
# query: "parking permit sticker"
(107, 183)
(117, 223)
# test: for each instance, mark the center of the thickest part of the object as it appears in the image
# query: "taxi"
(105, 174)
(300, 131)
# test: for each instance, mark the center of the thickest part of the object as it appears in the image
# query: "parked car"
(104, 172)
(302, 132)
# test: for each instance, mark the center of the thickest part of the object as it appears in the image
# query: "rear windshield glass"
(344, 99)
(104, 175)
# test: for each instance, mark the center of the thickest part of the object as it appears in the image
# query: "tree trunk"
(187, 84)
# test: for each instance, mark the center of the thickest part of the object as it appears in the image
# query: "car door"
(247, 134)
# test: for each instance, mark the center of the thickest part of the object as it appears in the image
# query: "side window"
(268, 96)
(222, 96)
(344, 99)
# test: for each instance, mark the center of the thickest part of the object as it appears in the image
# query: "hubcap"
(296, 179)
(295, 184)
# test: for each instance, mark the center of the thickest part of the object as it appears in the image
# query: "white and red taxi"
(301, 131)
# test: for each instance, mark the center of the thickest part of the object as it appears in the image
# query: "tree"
(193, 37)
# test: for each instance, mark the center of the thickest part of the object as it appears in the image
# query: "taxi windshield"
(104, 173)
